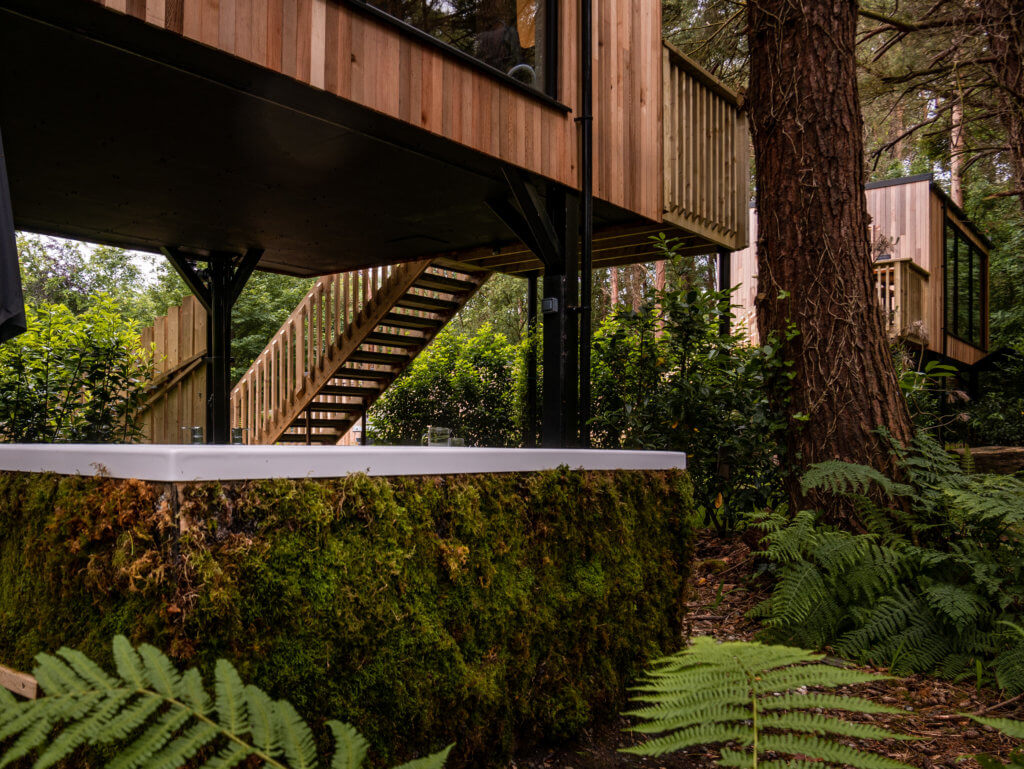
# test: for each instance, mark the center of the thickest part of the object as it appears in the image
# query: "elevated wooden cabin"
(323, 136)
(930, 265)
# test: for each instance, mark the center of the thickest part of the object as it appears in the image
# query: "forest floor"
(724, 586)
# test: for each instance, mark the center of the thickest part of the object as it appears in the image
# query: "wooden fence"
(178, 397)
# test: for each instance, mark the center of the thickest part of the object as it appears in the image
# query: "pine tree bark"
(814, 268)
(1003, 26)
(956, 153)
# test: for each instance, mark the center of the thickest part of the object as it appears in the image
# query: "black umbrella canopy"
(12, 303)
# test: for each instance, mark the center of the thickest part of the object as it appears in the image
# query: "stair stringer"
(428, 338)
(355, 333)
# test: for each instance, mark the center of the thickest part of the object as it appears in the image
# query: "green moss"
(481, 609)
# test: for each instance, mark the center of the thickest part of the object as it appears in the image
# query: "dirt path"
(723, 588)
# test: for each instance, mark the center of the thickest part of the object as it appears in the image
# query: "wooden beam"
(21, 684)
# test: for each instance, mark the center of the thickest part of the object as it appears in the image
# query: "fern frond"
(765, 708)
(826, 750)
(349, 746)
(433, 761)
(1008, 726)
(159, 718)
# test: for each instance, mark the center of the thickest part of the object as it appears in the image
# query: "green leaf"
(433, 761)
(349, 746)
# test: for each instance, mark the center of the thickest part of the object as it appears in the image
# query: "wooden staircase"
(348, 340)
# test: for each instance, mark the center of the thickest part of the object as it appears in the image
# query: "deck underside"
(119, 133)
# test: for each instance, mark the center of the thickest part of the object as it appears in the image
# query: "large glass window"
(509, 35)
(964, 287)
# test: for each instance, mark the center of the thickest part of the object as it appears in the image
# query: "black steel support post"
(561, 320)
(724, 284)
(12, 302)
(530, 426)
(549, 227)
(217, 287)
(586, 123)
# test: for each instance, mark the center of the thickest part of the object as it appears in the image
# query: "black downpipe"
(586, 122)
(724, 284)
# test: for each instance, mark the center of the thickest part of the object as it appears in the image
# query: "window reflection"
(506, 34)
(964, 287)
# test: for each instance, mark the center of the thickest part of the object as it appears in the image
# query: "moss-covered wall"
(487, 610)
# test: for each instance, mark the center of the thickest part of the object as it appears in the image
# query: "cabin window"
(512, 36)
(964, 287)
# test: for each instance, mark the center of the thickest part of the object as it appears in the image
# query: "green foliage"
(158, 718)
(929, 586)
(997, 417)
(489, 609)
(1009, 727)
(500, 303)
(465, 383)
(263, 306)
(666, 378)
(72, 378)
(754, 701)
(55, 271)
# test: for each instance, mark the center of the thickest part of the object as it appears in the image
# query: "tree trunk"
(956, 154)
(615, 286)
(813, 253)
(1003, 24)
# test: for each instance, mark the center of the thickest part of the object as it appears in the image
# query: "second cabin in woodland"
(407, 150)
(930, 265)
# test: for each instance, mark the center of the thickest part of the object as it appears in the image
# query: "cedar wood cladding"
(330, 45)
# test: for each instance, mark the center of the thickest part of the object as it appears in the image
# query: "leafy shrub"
(997, 418)
(929, 587)
(754, 701)
(492, 609)
(73, 378)
(465, 383)
(666, 378)
(83, 705)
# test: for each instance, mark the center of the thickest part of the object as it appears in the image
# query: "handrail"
(332, 319)
(706, 146)
(901, 287)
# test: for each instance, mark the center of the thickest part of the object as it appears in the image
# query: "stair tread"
(314, 438)
(352, 390)
(443, 283)
(403, 320)
(394, 340)
(364, 374)
(389, 358)
(336, 408)
(417, 302)
(300, 423)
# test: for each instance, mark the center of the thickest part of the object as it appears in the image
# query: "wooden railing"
(332, 320)
(901, 287)
(707, 173)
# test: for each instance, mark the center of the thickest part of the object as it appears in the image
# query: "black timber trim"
(481, 66)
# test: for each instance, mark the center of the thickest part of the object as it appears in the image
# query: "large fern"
(928, 588)
(762, 705)
(158, 718)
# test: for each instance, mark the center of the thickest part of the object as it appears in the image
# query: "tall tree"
(813, 251)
